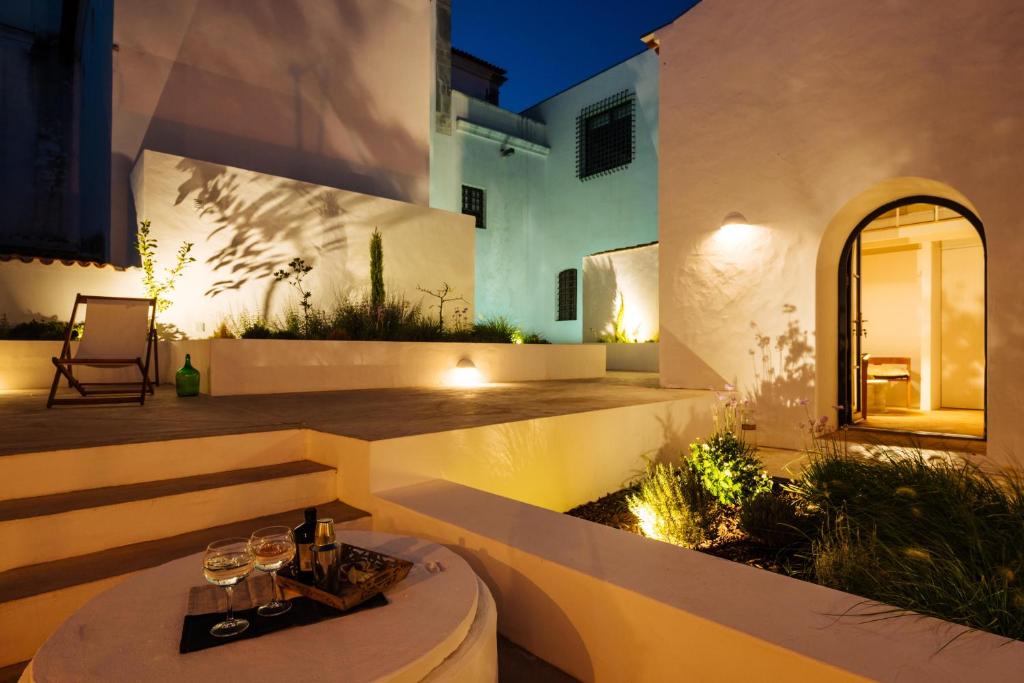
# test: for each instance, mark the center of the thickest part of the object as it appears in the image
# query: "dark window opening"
(473, 204)
(606, 136)
(567, 294)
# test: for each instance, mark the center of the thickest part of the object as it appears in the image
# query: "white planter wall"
(267, 366)
(632, 357)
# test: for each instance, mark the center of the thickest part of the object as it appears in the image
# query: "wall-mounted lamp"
(734, 218)
(465, 374)
(507, 151)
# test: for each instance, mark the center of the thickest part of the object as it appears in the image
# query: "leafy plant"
(497, 329)
(728, 468)
(38, 330)
(376, 270)
(223, 331)
(294, 276)
(157, 288)
(672, 506)
(618, 334)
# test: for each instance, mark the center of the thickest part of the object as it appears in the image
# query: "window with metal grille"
(606, 136)
(473, 203)
(567, 294)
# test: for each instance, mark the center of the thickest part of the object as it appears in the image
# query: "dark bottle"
(305, 534)
(186, 380)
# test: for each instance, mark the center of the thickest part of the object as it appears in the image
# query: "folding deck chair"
(120, 335)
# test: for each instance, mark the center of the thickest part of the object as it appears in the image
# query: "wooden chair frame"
(106, 392)
(866, 362)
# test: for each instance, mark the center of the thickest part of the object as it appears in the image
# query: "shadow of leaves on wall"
(783, 381)
(266, 220)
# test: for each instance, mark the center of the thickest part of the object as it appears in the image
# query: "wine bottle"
(305, 534)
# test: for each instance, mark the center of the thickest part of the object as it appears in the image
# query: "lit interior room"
(921, 322)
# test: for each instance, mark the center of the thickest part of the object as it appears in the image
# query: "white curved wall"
(805, 117)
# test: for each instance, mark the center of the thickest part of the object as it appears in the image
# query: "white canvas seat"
(117, 348)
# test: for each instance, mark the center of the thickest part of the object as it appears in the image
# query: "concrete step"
(51, 527)
(24, 474)
(35, 599)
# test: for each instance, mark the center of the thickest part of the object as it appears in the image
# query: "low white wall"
(269, 366)
(604, 604)
(555, 462)
(274, 366)
(632, 357)
(28, 365)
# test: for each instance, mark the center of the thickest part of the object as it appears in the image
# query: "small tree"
(376, 271)
(156, 288)
(441, 294)
(296, 273)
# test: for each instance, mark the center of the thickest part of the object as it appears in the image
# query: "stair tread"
(23, 582)
(56, 503)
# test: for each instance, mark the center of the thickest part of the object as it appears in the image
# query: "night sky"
(549, 45)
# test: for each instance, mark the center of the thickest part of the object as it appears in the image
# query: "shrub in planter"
(771, 519)
(728, 468)
(36, 330)
(672, 506)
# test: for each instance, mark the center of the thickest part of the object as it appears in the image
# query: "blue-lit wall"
(541, 218)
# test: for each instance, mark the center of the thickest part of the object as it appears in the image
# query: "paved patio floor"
(370, 414)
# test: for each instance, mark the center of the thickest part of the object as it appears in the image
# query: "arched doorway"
(912, 320)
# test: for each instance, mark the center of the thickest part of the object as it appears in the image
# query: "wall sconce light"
(734, 231)
(734, 218)
(465, 374)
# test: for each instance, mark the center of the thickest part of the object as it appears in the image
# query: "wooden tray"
(361, 575)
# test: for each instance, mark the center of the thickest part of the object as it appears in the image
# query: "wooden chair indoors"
(119, 337)
(887, 368)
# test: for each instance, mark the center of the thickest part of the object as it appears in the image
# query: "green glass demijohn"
(186, 381)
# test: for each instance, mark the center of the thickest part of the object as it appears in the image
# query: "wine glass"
(226, 563)
(272, 548)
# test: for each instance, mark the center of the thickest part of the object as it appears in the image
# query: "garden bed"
(730, 544)
(910, 532)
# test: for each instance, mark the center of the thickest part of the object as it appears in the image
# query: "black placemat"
(195, 630)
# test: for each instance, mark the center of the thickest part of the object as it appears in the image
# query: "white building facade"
(545, 206)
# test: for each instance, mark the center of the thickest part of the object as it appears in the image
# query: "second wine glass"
(272, 548)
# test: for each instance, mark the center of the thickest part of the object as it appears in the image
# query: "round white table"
(440, 625)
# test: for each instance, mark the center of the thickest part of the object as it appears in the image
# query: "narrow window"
(605, 136)
(473, 204)
(567, 294)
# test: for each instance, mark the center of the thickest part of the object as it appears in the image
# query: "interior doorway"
(912, 313)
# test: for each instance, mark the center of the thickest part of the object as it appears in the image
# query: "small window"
(605, 136)
(473, 204)
(567, 294)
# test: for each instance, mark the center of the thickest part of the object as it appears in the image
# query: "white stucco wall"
(541, 219)
(247, 225)
(505, 245)
(963, 326)
(577, 218)
(624, 276)
(805, 117)
(892, 306)
(308, 89)
(45, 289)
